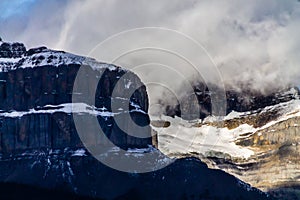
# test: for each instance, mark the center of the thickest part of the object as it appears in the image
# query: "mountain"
(257, 141)
(239, 100)
(42, 153)
(70, 171)
(9, 191)
(36, 94)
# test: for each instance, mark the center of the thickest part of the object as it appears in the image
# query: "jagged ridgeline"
(240, 99)
(39, 145)
(35, 99)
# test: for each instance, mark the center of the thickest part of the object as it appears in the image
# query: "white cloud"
(254, 42)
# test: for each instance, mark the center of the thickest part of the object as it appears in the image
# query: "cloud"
(254, 42)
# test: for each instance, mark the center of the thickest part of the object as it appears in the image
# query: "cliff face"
(242, 100)
(36, 88)
(77, 172)
(39, 144)
(275, 164)
(259, 146)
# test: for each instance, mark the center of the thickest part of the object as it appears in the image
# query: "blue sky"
(10, 8)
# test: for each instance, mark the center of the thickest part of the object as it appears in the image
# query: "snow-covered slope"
(257, 146)
(42, 56)
(184, 136)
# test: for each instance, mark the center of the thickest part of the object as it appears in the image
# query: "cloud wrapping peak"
(254, 42)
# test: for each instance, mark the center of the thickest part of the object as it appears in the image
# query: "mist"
(253, 43)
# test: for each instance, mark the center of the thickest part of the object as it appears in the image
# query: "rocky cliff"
(258, 141)
(78, 172)
(40, 147)
(275, 164)
(239, 100)
(36, 88)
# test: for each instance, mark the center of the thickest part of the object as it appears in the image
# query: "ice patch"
(66, 108)
(79, 152)
(182, 138)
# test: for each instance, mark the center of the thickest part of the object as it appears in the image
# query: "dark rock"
(38, 138)
(8, 192)
(30, 89)
(32, 51)
(186, 178)
(240, 101)
(14, 50)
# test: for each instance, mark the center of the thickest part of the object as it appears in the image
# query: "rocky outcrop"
(36, 88)
(15, 50)
(79, 173)
(275, 167)
(241, 100)
(40, 146)
(260, 147)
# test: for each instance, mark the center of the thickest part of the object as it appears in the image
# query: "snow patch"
(182, 138)
(66, 108)
(128, 84)
(79, 152)
(53, 58)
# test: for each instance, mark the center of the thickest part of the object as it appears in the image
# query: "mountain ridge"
(40, 146)
(258, 145)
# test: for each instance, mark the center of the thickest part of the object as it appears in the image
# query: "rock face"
(15, 50)
(236, 100)
(275, 165)
(36, 88)
(39, 144)
(77, 172)
(258, 144)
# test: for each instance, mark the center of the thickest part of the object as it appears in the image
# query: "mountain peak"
(12, 50)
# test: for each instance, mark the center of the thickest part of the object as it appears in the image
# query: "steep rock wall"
(36, 91)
